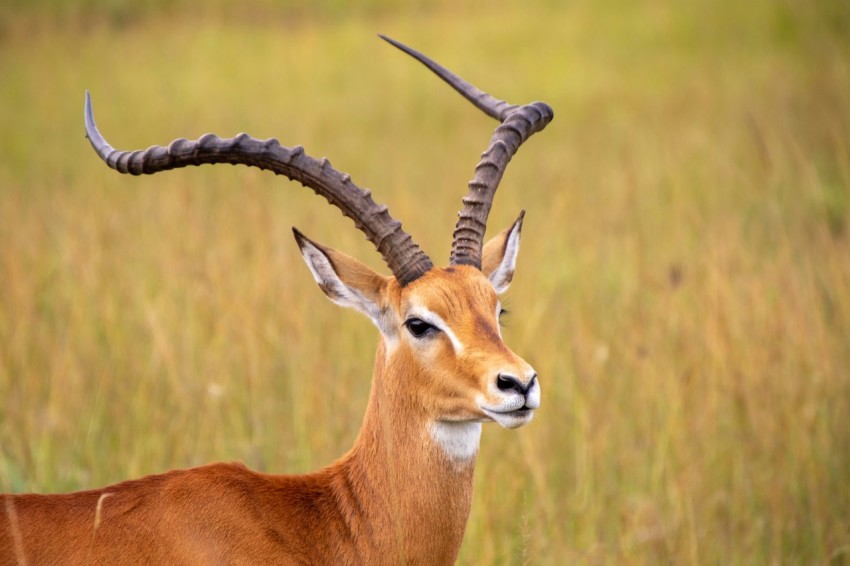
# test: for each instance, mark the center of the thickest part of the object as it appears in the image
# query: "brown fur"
(395, 497)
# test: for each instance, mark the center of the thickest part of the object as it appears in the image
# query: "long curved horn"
(518, 123)
(401, 254)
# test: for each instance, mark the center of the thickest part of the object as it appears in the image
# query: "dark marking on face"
(484, 327)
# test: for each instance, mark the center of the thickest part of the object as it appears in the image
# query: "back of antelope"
(402, 494)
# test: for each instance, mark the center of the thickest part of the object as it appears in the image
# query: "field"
(683, 287)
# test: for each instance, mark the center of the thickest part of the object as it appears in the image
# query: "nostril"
(510, 383)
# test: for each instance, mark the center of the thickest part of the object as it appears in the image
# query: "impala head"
(443, 328)
(440, 324)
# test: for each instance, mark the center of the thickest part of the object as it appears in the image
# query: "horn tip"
(412, 52)
(88, 111)
(387, 39)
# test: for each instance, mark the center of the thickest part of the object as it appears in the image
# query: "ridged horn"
(402, 255)
(518, 123)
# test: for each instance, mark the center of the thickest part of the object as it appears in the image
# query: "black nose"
(510, 383)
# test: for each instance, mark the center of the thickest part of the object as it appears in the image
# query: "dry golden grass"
(683, 288)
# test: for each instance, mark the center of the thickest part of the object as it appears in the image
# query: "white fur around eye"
(437, 322)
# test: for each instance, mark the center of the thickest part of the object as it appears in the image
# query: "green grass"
(683, 287)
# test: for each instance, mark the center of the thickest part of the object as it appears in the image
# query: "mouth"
(511, 419)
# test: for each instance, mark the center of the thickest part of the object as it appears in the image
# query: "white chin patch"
(459, 440)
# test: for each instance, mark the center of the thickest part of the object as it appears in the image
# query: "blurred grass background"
(683, 288)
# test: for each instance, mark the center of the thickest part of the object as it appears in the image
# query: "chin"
(512, 419)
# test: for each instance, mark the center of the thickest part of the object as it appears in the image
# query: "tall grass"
(683, 287)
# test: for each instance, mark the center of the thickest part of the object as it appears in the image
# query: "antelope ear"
(345, 280)
(499, 256)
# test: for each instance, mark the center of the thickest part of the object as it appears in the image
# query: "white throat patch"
(459, 441)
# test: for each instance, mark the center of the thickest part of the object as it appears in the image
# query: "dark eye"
(418, 327)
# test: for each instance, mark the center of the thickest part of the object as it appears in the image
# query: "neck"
(412, 475)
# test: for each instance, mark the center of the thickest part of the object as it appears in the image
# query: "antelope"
(402, 493)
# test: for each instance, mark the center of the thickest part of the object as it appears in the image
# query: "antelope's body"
(227, 514)
(402, 494)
